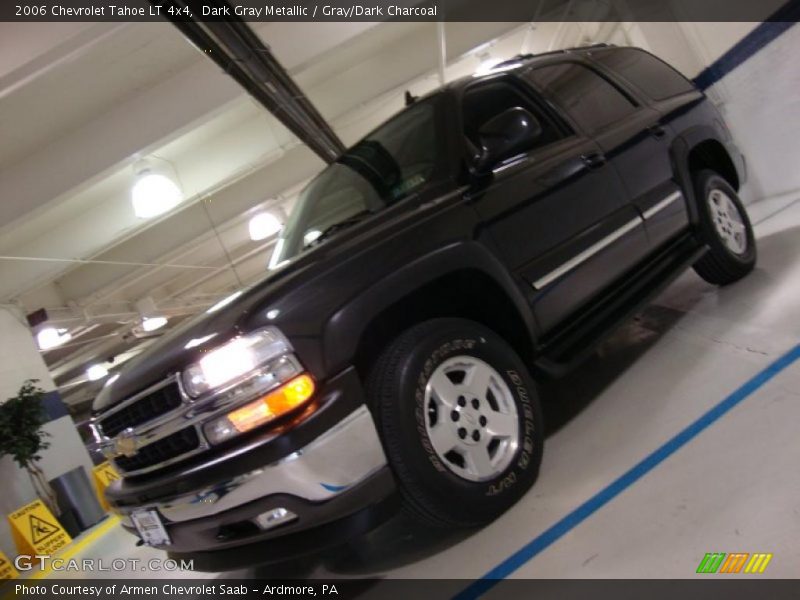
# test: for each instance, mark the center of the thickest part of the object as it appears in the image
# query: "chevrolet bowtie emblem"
(126, 443)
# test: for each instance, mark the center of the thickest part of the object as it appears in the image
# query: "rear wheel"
(460, 420)
(726, 228)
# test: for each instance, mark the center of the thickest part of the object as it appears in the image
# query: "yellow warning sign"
(7, 570)
(104, 474)
(36, 531)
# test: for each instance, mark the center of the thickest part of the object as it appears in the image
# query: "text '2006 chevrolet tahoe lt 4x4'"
(487, 236)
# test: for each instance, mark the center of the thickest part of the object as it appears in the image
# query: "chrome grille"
(161, 425)
(161, 451)
(147, 408)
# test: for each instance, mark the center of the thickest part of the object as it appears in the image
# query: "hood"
(211, 328)
(214, 327)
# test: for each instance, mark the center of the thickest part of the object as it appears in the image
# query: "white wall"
(760, 98)
(20, 360)
(709, 41)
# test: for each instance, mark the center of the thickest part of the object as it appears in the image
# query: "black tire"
(720, 265)
(431, 491)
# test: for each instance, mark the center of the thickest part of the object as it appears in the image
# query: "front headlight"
(233, 360)
(255, 379)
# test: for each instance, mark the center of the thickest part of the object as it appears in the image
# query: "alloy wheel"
(728, 221)
(471, 418)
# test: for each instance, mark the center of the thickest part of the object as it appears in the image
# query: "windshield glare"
(392, 162)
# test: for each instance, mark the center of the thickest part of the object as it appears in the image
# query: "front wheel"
(726, 229)
(460, 421)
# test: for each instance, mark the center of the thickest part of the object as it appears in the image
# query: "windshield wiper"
(330, 230)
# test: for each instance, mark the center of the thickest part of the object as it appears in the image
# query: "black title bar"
(730, 588)
(402, 10)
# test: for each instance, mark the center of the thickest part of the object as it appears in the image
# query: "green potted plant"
(23, 439)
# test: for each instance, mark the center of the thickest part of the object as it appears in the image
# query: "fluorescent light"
(225, 301)
(153, 323)
(96, 372)
(50, 337)
(154, 194)
(264, 225)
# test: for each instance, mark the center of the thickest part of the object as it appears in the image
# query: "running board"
(564, 349)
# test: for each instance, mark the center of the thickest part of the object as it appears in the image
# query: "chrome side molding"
(600, 245)
(581, 258)
(661, 205)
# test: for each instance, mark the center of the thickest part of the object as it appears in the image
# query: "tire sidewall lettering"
(526, 449)
(528, 425)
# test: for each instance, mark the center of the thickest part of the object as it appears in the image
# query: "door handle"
(594, 160)
(657, 131)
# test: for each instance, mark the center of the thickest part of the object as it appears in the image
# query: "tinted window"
(485, 101)
(589, 98)
(656, 78)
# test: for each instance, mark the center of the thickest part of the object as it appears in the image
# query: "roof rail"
(597, 45)
(529, 56)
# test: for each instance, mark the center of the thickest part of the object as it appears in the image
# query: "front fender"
(345, 328)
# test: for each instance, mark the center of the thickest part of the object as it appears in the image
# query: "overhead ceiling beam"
(43, 47)
(236, 48)
(126, 130)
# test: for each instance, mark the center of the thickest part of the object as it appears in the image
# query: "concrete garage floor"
(733, 488)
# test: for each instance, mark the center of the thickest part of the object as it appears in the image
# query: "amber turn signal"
(280, 401)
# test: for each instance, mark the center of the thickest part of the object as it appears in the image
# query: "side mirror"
(507, 134)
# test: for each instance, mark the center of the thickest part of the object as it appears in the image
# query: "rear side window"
(590, 99)
(655, 77)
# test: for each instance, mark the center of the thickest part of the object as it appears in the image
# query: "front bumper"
(367, 514)
(336, 474)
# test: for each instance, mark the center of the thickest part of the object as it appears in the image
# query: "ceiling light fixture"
(153, 323)
(96, 372)
(264, 225)
(50, 337)
(151, 317)
(154, 190)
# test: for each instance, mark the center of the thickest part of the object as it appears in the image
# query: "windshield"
(391, 163)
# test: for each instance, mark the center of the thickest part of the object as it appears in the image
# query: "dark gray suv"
(486, 237)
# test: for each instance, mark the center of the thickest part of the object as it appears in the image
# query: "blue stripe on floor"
(604, 496)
